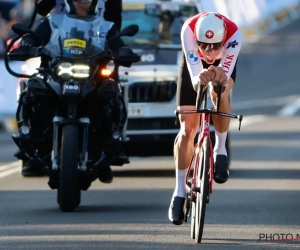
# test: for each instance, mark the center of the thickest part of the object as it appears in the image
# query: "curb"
(272, 22)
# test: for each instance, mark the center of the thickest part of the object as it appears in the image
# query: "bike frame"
(200, 194)
(204, 132)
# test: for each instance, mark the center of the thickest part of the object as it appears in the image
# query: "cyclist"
(211, 44)
(110, 10)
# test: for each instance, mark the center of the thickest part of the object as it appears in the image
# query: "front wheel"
(69, 191)
(77, 203)
(193, 166)
(203, 184)
(193, 218)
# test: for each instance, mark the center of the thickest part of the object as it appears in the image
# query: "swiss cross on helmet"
(70, 8)
(210, 28)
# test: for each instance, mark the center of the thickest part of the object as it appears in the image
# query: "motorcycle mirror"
(130, 30)
(20, 29)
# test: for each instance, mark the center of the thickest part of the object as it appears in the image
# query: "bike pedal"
(189, 213)
(185, 218)
(185, 215)
(189, 183)
(187, 208)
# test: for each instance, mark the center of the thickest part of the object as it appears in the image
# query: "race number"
(148, 58)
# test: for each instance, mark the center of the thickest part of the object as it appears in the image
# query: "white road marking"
(9, 169)
(13, 167)
(291, 109)
(261, 103)
(291, 104)
(247, 121)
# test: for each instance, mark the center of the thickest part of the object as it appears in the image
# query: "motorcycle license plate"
(135, 111)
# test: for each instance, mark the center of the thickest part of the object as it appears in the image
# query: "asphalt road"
(260, 201)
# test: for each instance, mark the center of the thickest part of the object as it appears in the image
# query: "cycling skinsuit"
(192, 59)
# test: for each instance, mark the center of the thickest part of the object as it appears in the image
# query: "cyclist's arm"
(190, 50)
(232, 49)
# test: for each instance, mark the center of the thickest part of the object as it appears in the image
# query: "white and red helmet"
(210, 28)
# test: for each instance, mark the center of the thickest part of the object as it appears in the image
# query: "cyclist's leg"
(221, 124)
(184, 142)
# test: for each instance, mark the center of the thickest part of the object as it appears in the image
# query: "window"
(162, 27)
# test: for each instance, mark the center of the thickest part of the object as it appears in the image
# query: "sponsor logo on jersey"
(232, 44)
(193, 57)
(227, 63)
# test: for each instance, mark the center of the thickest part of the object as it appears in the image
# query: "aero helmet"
(210, 28)
(70, 8)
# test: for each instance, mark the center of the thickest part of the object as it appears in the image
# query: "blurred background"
(262, 194)
(255, 18)
(11, 11)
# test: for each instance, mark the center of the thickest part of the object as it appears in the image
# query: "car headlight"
(67, 70)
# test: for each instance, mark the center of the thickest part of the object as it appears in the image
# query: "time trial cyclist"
(210, 47)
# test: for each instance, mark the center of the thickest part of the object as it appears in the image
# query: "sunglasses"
(85, 1)
(209, 46)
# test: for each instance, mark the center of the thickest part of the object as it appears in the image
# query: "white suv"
(151, 83)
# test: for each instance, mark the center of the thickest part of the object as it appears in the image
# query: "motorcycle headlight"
(67, 70)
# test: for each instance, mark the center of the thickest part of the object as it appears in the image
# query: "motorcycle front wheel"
(69, 191)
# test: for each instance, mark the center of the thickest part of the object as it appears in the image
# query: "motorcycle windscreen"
(75, 38)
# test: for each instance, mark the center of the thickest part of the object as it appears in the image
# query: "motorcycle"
(61, 120)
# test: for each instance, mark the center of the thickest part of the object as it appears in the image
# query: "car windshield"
(157, 25)
(76, 37)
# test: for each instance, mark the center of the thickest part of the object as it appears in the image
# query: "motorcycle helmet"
(45, 6)
(93, 10)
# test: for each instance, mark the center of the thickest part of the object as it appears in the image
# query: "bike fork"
(84, 150)
(205, 124)
(55, 151)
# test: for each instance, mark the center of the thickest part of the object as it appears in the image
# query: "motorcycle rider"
(33, 167)
(110, 10)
